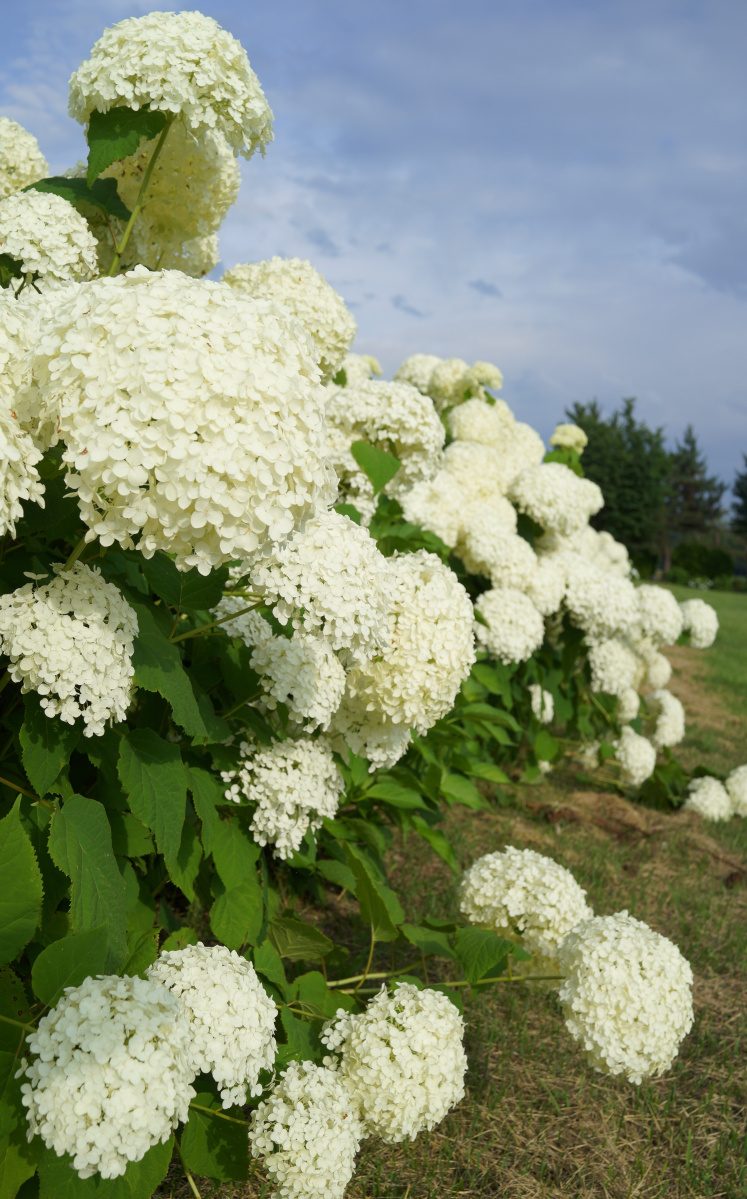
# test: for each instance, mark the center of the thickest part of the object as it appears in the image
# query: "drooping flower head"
(47, 236)
(569, 437)
(513, 627)
(21, 160)
(699, 619)
(637, 757)
(709, 798)
(555, 497)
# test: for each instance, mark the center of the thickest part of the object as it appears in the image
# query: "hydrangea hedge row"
(258, 610)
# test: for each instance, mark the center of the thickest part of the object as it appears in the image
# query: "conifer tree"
(739, 507)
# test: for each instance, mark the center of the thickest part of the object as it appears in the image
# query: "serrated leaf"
(102, 196)
(481, 951)
(234, 853)
(298, 941)
(46, 744)
(185, 867)
(267, 961)
(428, 940)
(462, 790)
(379, 466)
(545, 746)
(301, 1041)
(130, 837)
(68, 962)
(21, 893)
(486, 712)
(201, 592)
(396, 795)
(207, 791)
(58, 1180)
(179, 940)
(142, 951)
(153, 777)
(14, 1005)
(380, 908)
(80, 843)
(438, 841)
(236, 915)
(158, 667)
(18, 1161)
(116, 134)
(163, 577)
(211, 1146)
(337, 873)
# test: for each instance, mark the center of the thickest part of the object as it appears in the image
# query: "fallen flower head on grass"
(709, 798)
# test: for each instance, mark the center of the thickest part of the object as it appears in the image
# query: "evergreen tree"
(694, 499)
(739, 508)
(630, 463)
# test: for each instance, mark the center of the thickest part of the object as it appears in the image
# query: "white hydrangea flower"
(547, 586)
(21, 160)
(431, 647)
(417, 370)
(599, 602)
(47, 236)
(71, 640)
(231, 1016)
(252, 628)
(736, 786)
(637, 757)
(437, 505)
(332, 577)
(709, 798)
(19, 478)
(528, 899)
(307, 1133)
(627, 996)
(515, 629)
(176, 63)
(628, 705)
(569, 437)
(660, 616)
(192, 417)
(603, 551)
(481, 470)
(699, 619)
(303, 673)
(615, 667)
(588, 755)
(556, 498)
(296, 285)
(658, 668)
(402, 1060)
(489, 424)
(448, 383)
(368, 734)
(359, 368)
(111, 1073)
(666, 723)
(294, 784)
(543, 704)
(505, 558)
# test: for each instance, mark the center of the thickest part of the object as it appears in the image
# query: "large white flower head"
(307, 1133)
(528, 899)
(452, 380)
(192, 417)
(602, 549)
(478, 469)
(21, 160)
(332, 578)
(569, 437)
(637, 757)
(417, 370)
(111, 1073)
(489, 549)
(660, 616)
(369, 734)
(514, 630)
(657, 670)
(47, 236)
(71, 640)
(303, 673)
(431, 646)
(666, 723)
(709, 798)
(297, 285)
(615, 667)
(547, 586)
(294, 785)
(437, 505)
(627, 996)
(231, 1017)
(19, 478)
(555, 497)
(176, 63)
(599, 602)
(736, 786)
(402, 1060)
(699, 619)
(628, 705)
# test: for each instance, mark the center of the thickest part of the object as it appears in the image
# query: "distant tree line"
(658, 502)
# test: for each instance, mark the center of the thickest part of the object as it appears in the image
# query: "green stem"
(18, 787)
(5, 680)
(341, 982)
(192, 1184)
(75, 554)
(140, 198)
(18, 1023)
(197, 1107)
(364, 976)
(211, 624)
(463, 982)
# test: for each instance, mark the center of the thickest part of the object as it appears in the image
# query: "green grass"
(726, 661)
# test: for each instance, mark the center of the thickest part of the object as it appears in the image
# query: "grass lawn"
(537, 1122)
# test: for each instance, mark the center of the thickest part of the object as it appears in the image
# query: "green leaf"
(236, 915)
(67, 963)
(461, 790)
(267, 961)
(481, 951)
(350, 511)
(46, 744)
(14, 1005)
(201, 592)
(438, 841)
(18, 1160)
(179, 940)
(10, 268)
(297, 940)
(379, 466)
(163, 577)
(21, 894)
(380, 908)
(116, 134)
(337, 873)
(396, 795)
(545, 746)
(488, 771)
(158, 667)
(153, 776)
(185, 868)
(101, 197)
(207, 791)
(300, 1041)
(234, 853)
(492, 715)
(212, 1146)
(130, 837)
(80, 843)
(428, 940)
(57, 1179)
(142, 950)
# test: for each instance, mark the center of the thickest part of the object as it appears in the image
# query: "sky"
(555, 186)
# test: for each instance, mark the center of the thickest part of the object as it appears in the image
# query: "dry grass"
(537, 1123)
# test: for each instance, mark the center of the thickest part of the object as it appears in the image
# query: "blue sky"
(556, 186)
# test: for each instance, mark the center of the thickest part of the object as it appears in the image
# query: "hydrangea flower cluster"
(402, 1060)
(543, 704)
(316, 305)
(71, 641)
(111, 1073)
(19, 478)
(569, 437)
(556, 498)
(46, 235)
(417, 370)
(709, 798)
(231, 1018)
(637, 757)
(615, 667)
(303, 673)
(359, 368)
(736, 785)
(514, 628)
(21, 160)
(294, 784)
(699, 619)
(307, 1132)
(192, 417)
(181, 63)
(627, 995)
(659, 615)
(527, 898)
(667, 719)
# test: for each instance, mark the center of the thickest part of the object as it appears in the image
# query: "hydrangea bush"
(259, 610)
